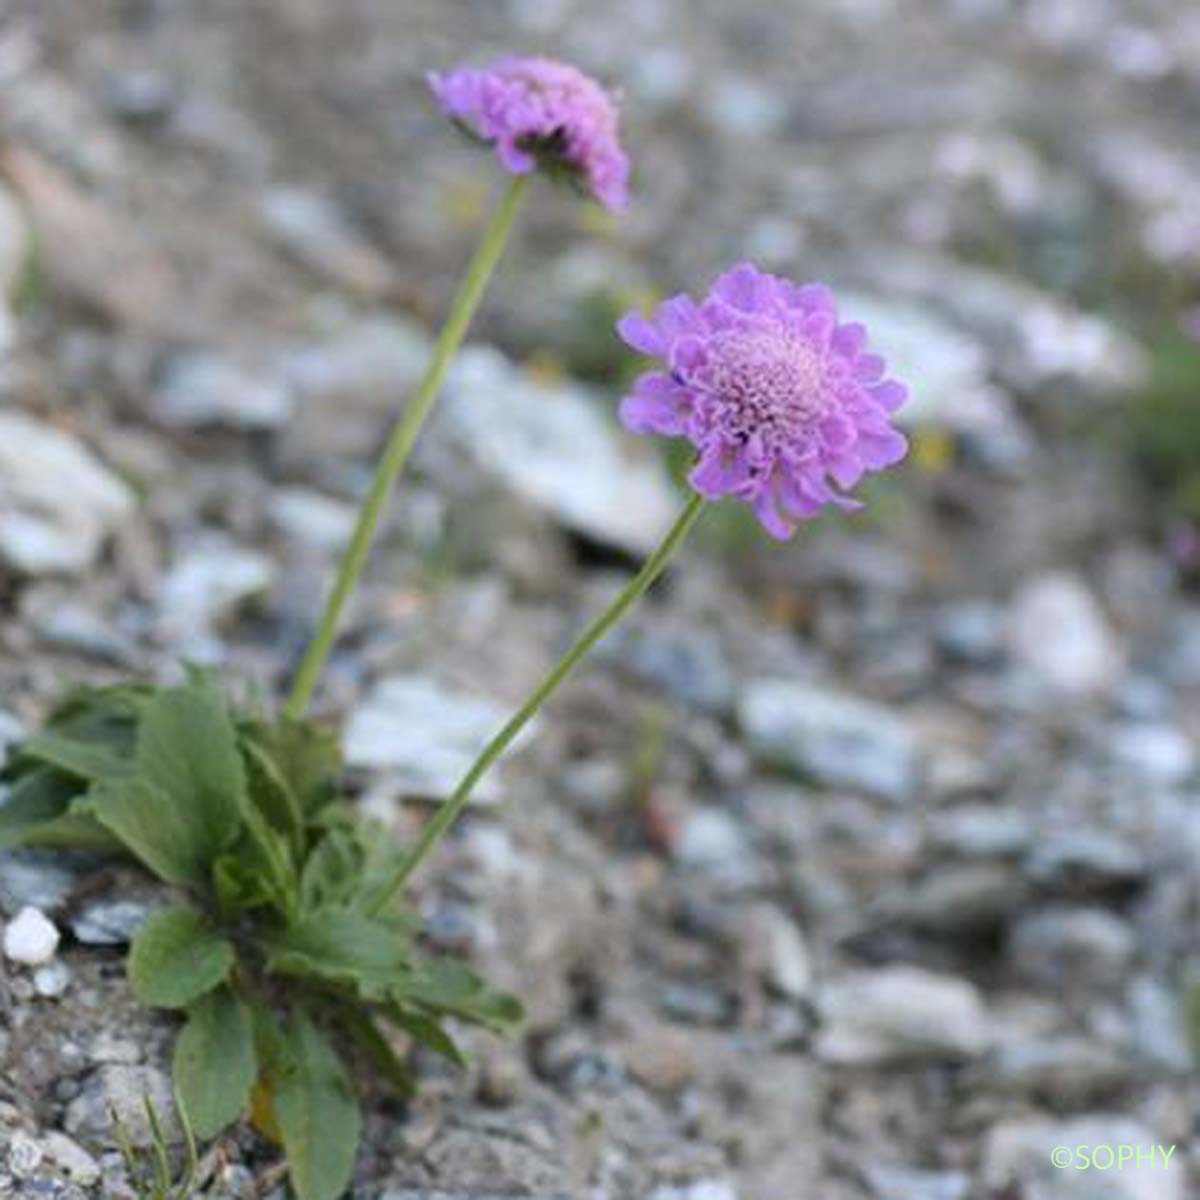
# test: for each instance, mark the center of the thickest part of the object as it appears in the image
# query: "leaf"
(151, 827)
(238, 887)
(37, 812)
(183, 807)
(214, 1063)
(178, 956)
(271, 793)
(427, 1030)
(343, 945)
(187, 745)
(379, 1050)
(318, 1114)
(84, 760)
(447, 986)
(307, 757)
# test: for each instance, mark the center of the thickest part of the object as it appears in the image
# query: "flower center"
(770, 385)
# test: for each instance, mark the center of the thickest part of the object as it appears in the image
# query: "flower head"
(786, 407)
(539, 110)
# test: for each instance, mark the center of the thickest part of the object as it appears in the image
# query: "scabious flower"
(539, 110)
(786, 408)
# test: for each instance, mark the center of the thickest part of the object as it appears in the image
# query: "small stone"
(201, 389)
(24, 1156)
(702, 1189)
(710, 840)
(71, 1158)
(889, 1183)
(1058, 633)
(59, 501)
(898, 1013)
(981, 831)
(1087, 947)
(110, 922)
(34, 878)
(837, 739)
(11, 732)
(126, 1090)
(660, 1057)
(31, 938)
(424, 736)
(971, 632)
(208, 585)
(316, 232)
(1065, 1071)
(503, 1077)
(553, 447)
(771, 945)
(52, 980)
(1085, 860)
(311, 519)
(1156, 753)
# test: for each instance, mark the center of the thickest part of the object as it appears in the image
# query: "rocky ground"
(864, 868)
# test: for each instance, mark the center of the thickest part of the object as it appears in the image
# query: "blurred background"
(864, 867)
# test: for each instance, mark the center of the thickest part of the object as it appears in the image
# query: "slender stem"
(449, 812)
(400, 444)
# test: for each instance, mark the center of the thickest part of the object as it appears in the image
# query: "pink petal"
(641, 335)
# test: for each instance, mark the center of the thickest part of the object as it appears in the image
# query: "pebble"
(712, 841)
(124, 1089)
(35, 878)
(554, 447)
(1062, 947)
(24, 1156)
(52, 980)
(1085, 859)
(901, 1013)
(48, 528)
(1058, 633)
(771, 945)
(110, 922)
(425, 736)
(201, 389)
(312, 519)
(207, 585)
(71, 1158)
(837, 739)
(1156, 753)
(31, 938)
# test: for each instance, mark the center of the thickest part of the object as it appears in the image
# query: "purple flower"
(538, 110)
(783, 404)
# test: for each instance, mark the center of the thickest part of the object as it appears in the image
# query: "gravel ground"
(864, 869)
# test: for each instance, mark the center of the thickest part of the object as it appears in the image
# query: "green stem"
(450, 811)
(400, 444)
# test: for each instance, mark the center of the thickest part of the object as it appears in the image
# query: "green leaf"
(271, 793)
(378, 1049)
(447, 986)
(318, 1114)
(151, 827)
(214, 1062)
(238, 887)
(427, 1030)
(37, 812)
(183, 807)
(187, 745)
(307, 757)
(343, 945)
(84, 760)
(178, 956)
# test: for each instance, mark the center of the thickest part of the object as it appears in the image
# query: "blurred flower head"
(786, 408)
(537, 111)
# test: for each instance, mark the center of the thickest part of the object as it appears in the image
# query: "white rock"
(58, 502)
(1017, 1159)
(24, 1156)
(702, 1189)
(1057, 631)
(202, 389)
(424, 736)
(31, 938)
(1157, 753)
(898, 1013)
(207, 584)
(838, 739)
(52, 980)
(71, 1158)
(946, 369)
(311, 518)
(555, 448)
